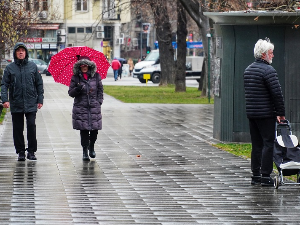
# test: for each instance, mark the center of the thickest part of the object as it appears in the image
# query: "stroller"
(286, 154)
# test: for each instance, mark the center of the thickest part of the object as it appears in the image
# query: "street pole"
(208, 69)
(141, 46)
(141, 38)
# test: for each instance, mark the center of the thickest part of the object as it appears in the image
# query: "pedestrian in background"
(264, 102)
(115, 64)
(87, 90)
(131, 66)
(22, 90)
(120, 69)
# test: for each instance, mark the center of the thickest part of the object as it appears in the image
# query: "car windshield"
(153, 56)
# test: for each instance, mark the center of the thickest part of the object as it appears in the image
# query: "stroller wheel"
(276, 182)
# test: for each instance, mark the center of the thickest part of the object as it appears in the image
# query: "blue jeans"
(116, 74)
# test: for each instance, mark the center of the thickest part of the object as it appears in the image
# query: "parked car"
(4, 63)
(41, 65)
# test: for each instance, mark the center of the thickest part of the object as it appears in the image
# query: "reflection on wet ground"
(154, 165)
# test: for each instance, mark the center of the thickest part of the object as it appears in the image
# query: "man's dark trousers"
(18, 128)
(262, 133)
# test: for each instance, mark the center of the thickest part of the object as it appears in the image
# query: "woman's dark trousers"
(87, 137)
(262, 133)
(18, 129)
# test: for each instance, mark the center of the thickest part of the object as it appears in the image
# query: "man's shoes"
(21, 156)
(31, 156)
(256, 180)
(267, 181)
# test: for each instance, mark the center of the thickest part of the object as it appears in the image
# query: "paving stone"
(155, 165)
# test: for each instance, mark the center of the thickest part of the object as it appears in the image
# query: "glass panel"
(80, 30)
(88, 30)
(45, 5)
(36, 5)
(84, 5)
(78, 5)
(71, 30)
(27, 5)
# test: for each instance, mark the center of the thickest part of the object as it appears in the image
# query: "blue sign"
(196, 44)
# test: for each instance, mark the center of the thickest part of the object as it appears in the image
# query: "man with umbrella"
(24, 85)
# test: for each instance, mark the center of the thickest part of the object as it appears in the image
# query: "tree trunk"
(195, 10)
(164, 37)
(180, 85)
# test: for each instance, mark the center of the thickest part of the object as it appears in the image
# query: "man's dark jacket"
(23, 84)
(263, 93)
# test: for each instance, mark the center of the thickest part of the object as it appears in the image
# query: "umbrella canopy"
(121, 59)
(61, 64)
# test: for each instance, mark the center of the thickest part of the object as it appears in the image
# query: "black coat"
(88, 97)
(23, 84)
(263, 93)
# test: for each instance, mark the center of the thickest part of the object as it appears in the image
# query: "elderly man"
(264, 102)
(24, 85)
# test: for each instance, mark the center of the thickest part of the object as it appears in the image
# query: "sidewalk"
(154, 165)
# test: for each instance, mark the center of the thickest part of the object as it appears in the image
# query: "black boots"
(85, 156)
(92, 152)
(30, 156)
(21, 156)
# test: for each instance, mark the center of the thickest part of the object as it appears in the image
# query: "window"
(36, 5)
(45, 5)
(71, 30)
(89, 30)
(107, 32)
(81, 5)
(27, 5)
(109, 9)
(80, 30)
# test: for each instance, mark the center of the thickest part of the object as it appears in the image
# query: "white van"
(151, 67)
(151, 59)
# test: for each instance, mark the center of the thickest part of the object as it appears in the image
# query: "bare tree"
(180, 85)
(195, 9)
(164, 37)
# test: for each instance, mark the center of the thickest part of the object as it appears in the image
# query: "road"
(130, 81)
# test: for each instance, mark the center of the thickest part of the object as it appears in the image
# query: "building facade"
(61, 24)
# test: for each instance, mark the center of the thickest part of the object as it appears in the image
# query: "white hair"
(262, 46)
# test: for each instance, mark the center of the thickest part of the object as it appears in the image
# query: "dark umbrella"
(61, 65)
(121, 59)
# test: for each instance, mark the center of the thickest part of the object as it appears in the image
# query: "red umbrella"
(61, 64)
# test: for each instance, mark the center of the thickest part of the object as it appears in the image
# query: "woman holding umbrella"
(87, 90)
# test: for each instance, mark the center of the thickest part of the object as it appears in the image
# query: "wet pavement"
(155, 165)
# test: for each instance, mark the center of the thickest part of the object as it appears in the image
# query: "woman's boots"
(85, 156)
(92, 152)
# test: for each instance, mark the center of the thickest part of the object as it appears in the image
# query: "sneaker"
(267, 181)
(31, 156)
(21, 156)
(256, 180)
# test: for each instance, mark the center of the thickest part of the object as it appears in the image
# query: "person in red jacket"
(115, 64)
